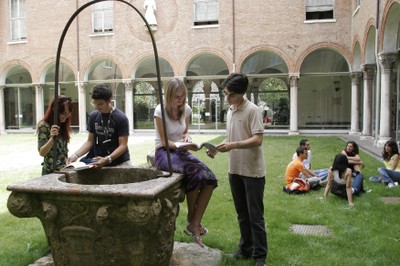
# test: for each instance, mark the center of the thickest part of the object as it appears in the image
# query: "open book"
(77, 166)
(195, 146)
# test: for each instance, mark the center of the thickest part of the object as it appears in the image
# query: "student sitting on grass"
(390, 174)
(296, 167)
(340, 180)
(322, 173)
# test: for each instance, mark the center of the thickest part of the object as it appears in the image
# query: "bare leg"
(198, 201)
(191, 199)
(357, 167)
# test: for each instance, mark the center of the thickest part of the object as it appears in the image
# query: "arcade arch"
(324, 95)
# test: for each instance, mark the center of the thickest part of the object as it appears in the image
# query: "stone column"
(207, 90)
(294, 82)
(82, 107)
(2, 112)
(129, 103)
(368, 75)
(190, 96)
(386, 62)
(355, 105)
(39, 102)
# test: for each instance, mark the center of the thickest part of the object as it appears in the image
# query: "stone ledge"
(184, 254)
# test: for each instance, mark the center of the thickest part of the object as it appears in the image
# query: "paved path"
(29, 157)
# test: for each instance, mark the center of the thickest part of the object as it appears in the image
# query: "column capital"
(294, 80)
(128, 84)
(368, 70)
(38, 87)
(81, 84)
(387, 60)
(355, 77)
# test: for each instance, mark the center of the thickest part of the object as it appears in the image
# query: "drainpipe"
(233, 38)
(378, 75)
(398, 101)
(77, 37)
(78, 62)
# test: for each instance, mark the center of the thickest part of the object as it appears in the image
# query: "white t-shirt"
(175, 128)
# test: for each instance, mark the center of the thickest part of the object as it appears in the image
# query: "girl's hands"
(186, 138)
(54, 130)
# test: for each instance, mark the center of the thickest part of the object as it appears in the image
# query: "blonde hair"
(171, 88)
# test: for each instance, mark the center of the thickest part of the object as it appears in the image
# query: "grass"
(364, 235)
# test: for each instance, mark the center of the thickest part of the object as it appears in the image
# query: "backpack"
(298, 186)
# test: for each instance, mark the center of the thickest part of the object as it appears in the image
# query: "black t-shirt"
(107, 128)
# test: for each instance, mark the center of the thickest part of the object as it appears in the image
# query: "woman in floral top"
(48, 132)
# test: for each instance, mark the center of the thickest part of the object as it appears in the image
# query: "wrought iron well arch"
(56, 81)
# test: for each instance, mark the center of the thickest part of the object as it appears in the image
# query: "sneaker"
(396, 184)
(375, 179)
(391, 185)
(260, 262)
(240, 255)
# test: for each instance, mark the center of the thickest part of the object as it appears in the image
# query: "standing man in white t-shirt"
(246, 171)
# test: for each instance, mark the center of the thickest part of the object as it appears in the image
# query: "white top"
(175, 128)
(337, 178)
(307, 162)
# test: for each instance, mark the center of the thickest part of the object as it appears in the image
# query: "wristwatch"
(109, 159)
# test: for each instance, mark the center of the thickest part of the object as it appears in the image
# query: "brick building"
(330, 65)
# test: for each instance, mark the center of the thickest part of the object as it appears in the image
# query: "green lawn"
(366, 234)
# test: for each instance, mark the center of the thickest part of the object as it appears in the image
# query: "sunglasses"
(64, 99)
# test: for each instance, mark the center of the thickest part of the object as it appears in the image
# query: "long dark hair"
(355, 146)
(64, 104)
(394, 149)
(340, 163)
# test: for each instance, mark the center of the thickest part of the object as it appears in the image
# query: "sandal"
(195, 238)
(203, 229)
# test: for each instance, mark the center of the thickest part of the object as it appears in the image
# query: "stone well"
(109, 216)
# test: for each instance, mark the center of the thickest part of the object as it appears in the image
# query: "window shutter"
(319, 5)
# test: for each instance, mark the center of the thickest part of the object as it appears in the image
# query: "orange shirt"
(293, 170)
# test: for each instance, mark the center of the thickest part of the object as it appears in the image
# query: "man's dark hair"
(300, 150)
(236, 83)
(101, 92)
(303, 142)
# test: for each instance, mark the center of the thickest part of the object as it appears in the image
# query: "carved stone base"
(111, 216)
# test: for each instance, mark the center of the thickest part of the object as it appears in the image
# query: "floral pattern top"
(62, 149)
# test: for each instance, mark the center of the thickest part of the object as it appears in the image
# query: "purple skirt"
(197, 174)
